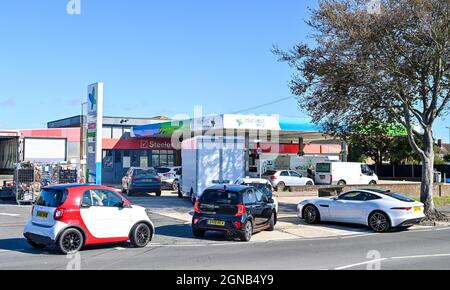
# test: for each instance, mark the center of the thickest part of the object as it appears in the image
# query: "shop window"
(117, 132)
(107, 132)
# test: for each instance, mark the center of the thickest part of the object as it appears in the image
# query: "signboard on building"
(250, 122)
(94, 120)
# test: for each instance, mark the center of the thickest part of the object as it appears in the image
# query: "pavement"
(293, 244)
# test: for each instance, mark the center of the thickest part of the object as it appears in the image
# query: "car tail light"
(196, 207)
(402, 208)
(240, 209)
(59, 213)
(273, 177)
(135, 178)
(331, 179)
(157, 178)
(237, 225)
(195, 220)
(32, 209)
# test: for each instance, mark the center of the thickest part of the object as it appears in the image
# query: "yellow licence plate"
(215, 223)
(417, 209)
(42, 214)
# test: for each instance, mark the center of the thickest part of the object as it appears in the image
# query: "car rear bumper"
(43, 234)
(407, 220)
(200, 223)
(39, 239)
(410, 222)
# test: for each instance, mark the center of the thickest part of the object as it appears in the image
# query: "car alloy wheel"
(379, 222)
(175, 185)
(71, 241)
(248, 231)
(309, 183)
(310, 214)
(141, 236)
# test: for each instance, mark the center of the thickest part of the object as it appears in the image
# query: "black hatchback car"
(236, 210)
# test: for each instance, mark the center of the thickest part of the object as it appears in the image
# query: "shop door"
(119, 170)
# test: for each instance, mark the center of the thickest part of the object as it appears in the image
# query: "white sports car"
(377, 208)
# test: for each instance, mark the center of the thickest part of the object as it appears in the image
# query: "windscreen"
(221, 196)
(144, 172)
(51, 198)
(323, 167)
(162, 170)
(399, 196)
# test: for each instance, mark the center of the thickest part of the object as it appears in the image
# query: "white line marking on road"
(359, 264)
(392, 258)
(422, 256)
(9, 214)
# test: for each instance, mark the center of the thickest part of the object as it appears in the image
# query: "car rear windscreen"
(323, 167)
(51, 198)
(144, 172)
(163, 170)
(399, 196)
(270, 172)
(221, 196)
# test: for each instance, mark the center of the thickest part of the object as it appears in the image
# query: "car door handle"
(324, 205)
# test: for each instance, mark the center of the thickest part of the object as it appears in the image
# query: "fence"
(407, 172)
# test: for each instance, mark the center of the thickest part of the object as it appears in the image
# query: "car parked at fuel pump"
(170, 176)
(282, 179)
(141, 179)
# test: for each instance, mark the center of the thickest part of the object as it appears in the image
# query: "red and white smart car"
(73, 215)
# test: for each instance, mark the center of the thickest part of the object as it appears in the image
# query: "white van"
(342, 173)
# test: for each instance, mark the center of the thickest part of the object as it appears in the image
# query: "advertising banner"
(94, 132)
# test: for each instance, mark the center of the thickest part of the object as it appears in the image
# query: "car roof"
(375, 190)
(253, 180)
(69, 185)
(230, 187)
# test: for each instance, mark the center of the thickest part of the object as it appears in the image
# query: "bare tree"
(377, 65)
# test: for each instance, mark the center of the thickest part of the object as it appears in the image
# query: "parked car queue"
(72, 216)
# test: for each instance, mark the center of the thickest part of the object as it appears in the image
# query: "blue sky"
(154, 57)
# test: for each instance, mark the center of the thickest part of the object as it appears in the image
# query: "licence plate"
(42, 214)
(147, 180)
(215, 223)
(417, 209)
(322, 176)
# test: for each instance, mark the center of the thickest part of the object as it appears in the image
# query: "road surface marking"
(392, 258)
(360, 264)
(9, 214)
(422, 256)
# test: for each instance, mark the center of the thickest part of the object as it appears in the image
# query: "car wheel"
(158, 193)
(198, 233)
(36, 245)
(309, 183)
(372, 182)
(341, 182)
(141, 235)
(175, 185)
(246, 235)
(271, 222)
(281, 186)
(311, 214)
(70, 241)
(379, 222)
